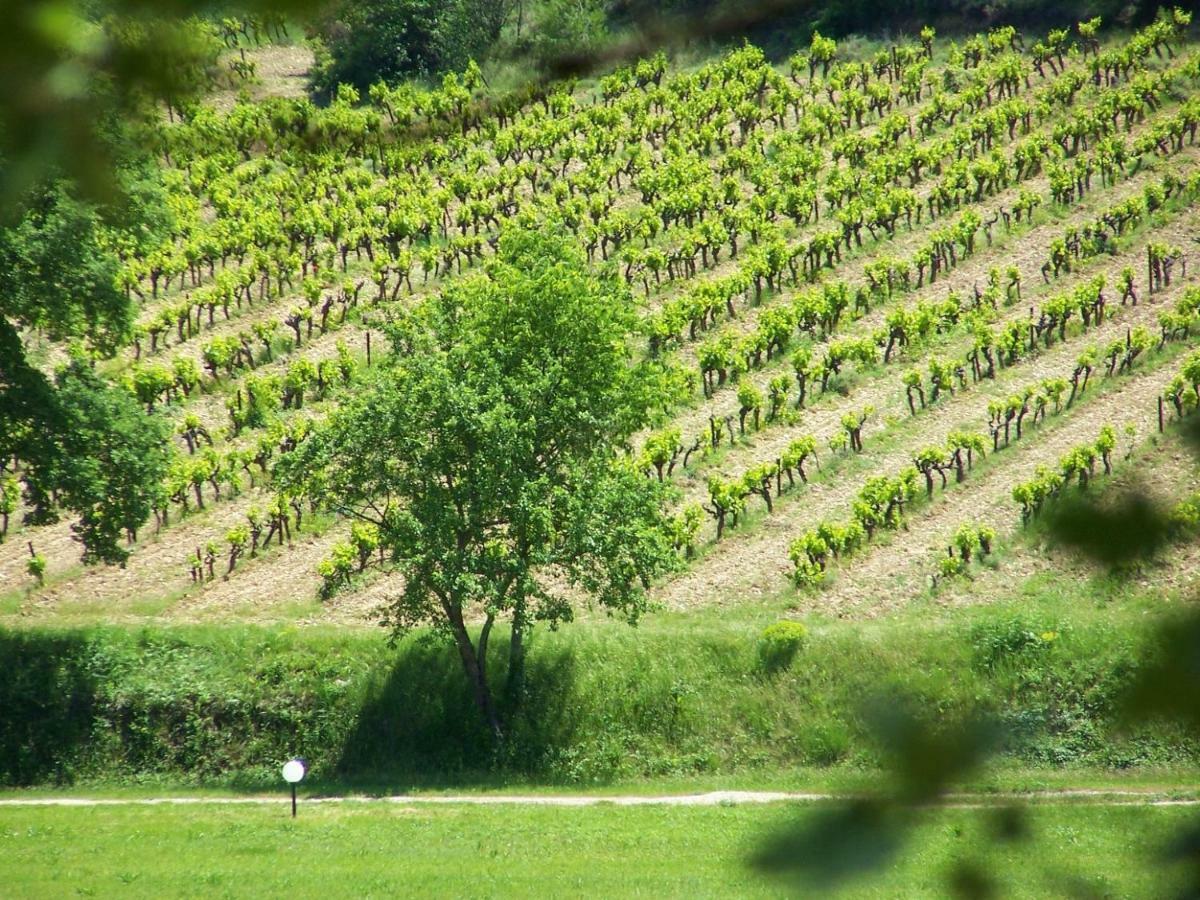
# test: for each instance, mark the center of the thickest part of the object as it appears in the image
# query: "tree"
(364, 42)
(485, 454)
(102, 456)
(58, 276)
(82, 445)
(567, 31)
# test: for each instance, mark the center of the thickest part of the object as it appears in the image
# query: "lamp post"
(293, 771)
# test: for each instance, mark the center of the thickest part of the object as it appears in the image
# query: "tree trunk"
(514, 687)
(476, 673)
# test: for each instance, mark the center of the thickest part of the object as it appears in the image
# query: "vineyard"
(898, 301)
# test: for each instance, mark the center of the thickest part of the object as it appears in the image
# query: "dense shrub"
(779, 644)
(1009, 641)
(841, 17)
(361, 42)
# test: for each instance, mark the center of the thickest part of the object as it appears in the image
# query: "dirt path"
(1075, 796)
(281, 71)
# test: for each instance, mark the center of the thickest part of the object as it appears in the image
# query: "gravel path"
(1089, 796)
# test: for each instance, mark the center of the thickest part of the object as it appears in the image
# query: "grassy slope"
(682, 699)
(680, 702)
(387, 850)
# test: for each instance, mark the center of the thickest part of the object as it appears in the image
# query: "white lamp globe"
(293, 771)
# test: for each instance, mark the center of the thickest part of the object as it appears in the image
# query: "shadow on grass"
(46, 707)
(420, 728)
(217, 711)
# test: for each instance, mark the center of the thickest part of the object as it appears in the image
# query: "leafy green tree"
(567, 31)
(485, 455)
(82, 445)
(58, 273)
(100, 455)
(365, 41)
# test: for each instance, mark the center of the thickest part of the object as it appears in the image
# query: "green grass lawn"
(385, 850)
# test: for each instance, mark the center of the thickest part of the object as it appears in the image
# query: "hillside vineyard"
(944, 279)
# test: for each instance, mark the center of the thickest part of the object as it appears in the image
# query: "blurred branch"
(654, 30)
(71, 71)
(1112, 534)
(926, 759)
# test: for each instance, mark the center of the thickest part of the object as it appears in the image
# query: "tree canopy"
(486, 454)
(58, 276)
(82, 444)
(364, 42)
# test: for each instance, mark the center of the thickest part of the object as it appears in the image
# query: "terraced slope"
(847, 267)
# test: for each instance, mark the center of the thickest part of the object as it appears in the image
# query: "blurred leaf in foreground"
(1113, 534)
(847, 840)
(72, 72)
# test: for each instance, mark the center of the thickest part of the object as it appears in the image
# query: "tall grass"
(677, 697)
